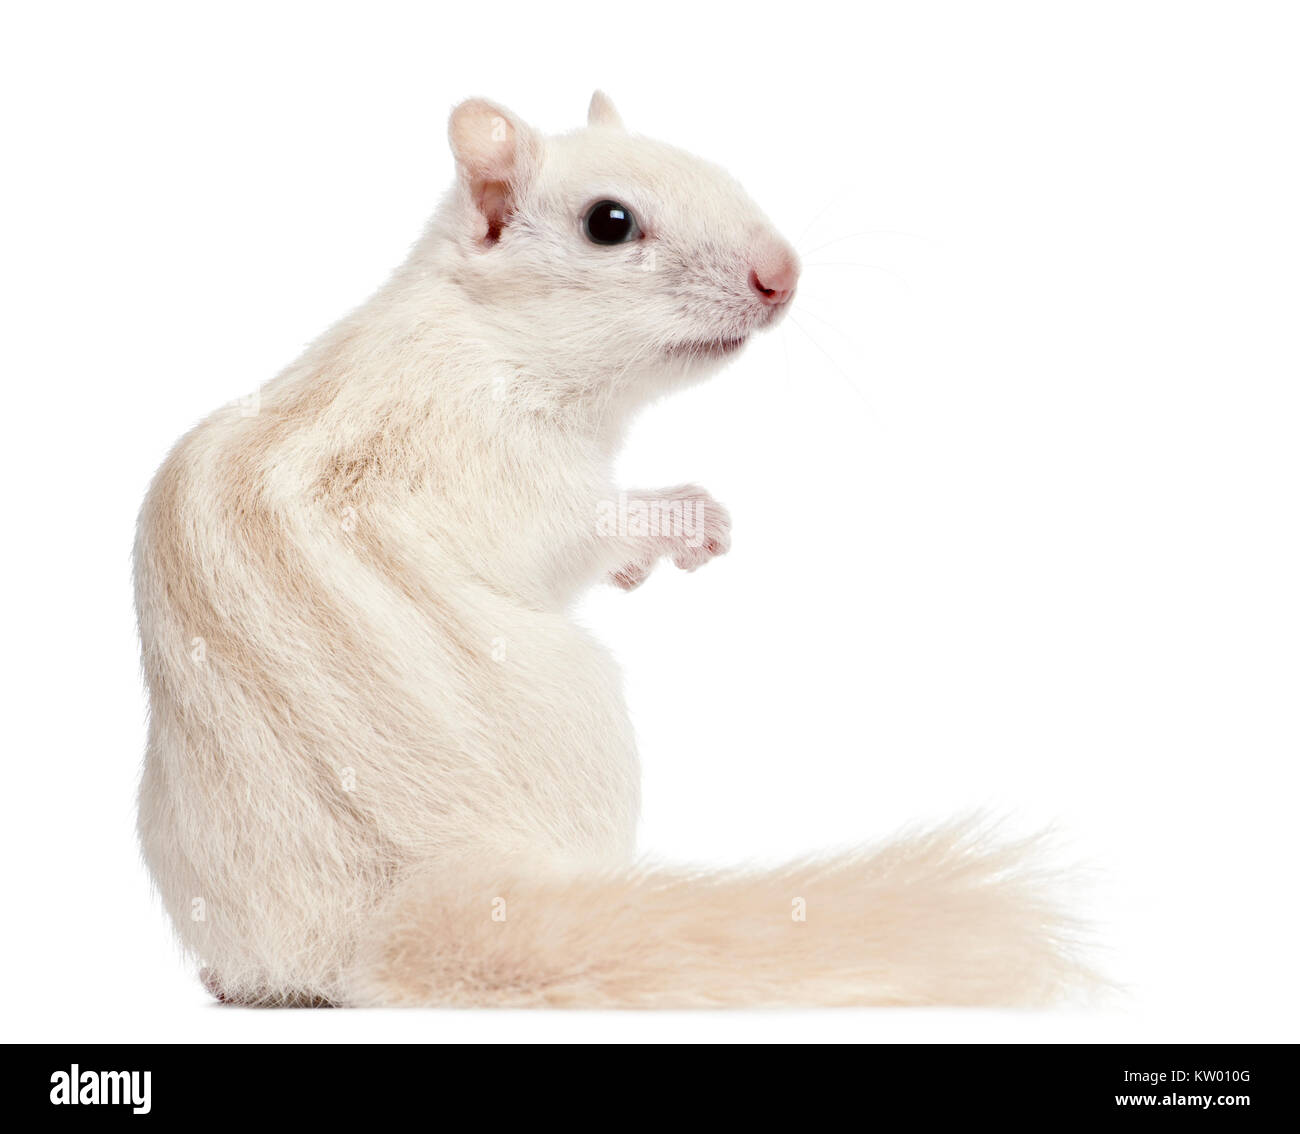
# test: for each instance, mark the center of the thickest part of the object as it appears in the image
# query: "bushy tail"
(938, 918)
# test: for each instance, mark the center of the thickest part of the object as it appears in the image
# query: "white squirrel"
(384, 765)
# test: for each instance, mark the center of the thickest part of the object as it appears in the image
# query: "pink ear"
(495, 154)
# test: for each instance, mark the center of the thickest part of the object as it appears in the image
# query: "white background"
(1014, 489)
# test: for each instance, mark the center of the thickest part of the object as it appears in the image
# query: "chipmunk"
(385, 766)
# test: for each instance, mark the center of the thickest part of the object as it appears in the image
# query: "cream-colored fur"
(384, 765)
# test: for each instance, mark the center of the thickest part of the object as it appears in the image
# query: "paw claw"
(631, 576)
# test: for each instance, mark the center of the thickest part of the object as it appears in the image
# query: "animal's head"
(605, 253)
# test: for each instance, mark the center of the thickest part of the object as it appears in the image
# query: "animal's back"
(337, 702)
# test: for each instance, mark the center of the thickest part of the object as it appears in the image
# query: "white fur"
(371, 716)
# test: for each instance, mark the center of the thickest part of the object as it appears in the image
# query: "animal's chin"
(707, 348)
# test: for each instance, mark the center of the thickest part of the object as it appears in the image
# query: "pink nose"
(773, 278)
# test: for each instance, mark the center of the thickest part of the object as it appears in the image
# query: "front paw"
(684, 524)
(705, 529)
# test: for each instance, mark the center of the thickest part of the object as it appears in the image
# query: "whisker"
(785, 348)
(830, 204)
(829, 358)
(856, 235)
(804, 309)
(865, 267)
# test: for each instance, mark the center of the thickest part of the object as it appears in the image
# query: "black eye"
(608, 222)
